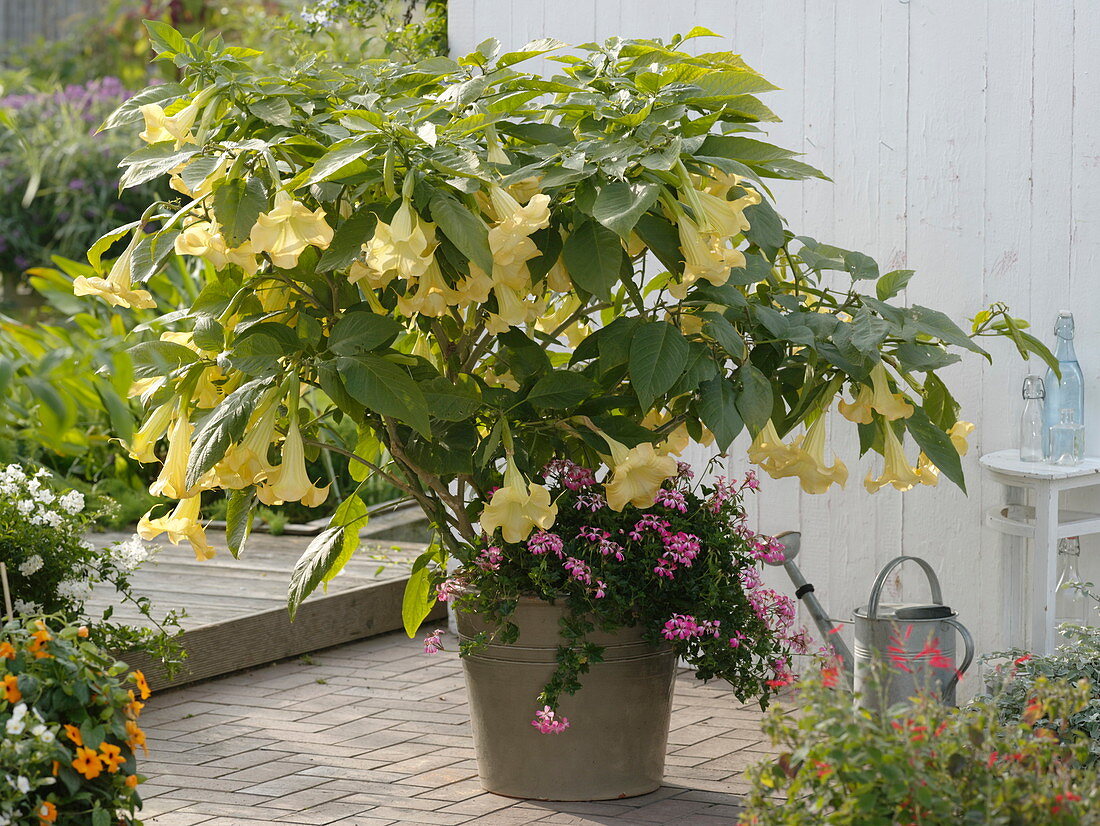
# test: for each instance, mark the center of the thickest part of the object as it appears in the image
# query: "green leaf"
(561, 389)
(725, 84)
(464, 229)
(165, 39)
(892, 283)
(130, 109)
(593, 255)
(153, 161)
(419, 600)
(363, 330)
(348, 240)
(619, 205)
(532, 49)
(937, 446)
(663, 240)
(258, 352)
(106, 241)
(208, 333)
(755, 400)
(386, 389)
(339, 156)
(272, 110)
(237, 205)
(100, 817)
(451, 401)
(160, 358)
(658, 355)
(312, 565)
(862, 267)
(718, 327)
(238, 520)
(936, 324)
(353, 515)
(747, 150)
(223, 426)
(718, 410)
(868, 332)
(765, 228)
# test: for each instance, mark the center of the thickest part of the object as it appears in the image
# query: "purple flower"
(547, 721)
(432, 643)
(545, 542)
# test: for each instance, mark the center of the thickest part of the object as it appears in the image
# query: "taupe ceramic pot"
(615, 745)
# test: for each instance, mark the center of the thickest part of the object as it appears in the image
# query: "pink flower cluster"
(448, 589)
(544, 542)
(768, 549)
(607, 547)
(572, 475)
(672, 499)
(685, 627)
(681, 548)
(578, 570)
(684, 472)
(775, 609)
(489, 559)
(547, 721)
(591, 501)
(432, 643)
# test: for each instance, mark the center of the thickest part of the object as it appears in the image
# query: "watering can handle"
(876, 589)
(968, 657)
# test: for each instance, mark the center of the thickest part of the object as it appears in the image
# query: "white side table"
(1044, 523)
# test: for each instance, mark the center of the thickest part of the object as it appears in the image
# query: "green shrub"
(925, 764)
(70, 718)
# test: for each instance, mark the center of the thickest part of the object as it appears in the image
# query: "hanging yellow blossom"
(172, 479)
(721, 217)
(809, 461)
(897, 471)
(160, 127)
(146, 436)
(205, 187)
(203, 239)
(927, 472)
(859, 410)
(769, 451)
(182, 524)
(637, 474)
(475, 288)
(246, 463)
(675, 442)
(518, 507)
(289, 482)
(958, 433)
(117, 289)
(429, 295)
(290, 227)
(403, 248)
(705, 257)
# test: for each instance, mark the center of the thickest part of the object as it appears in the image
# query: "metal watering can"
(916, 642)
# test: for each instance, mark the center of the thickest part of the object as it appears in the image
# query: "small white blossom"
(22, 785)
(73, 589)
(44, 495)
(15, 726)
(52, 518)
(24, 506)
(31, 565)
(72, 502)
(26, 607)
(130, 554)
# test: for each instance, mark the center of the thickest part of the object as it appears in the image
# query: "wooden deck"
(236, 608)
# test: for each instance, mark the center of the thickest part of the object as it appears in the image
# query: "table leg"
(1044, 569)
(1015, 626)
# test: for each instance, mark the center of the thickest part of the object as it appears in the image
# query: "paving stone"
(387, 742)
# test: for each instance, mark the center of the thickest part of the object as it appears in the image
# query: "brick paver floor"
(376, 733)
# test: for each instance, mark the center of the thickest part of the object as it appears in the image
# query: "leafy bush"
(51, 567)
(685, 572)
(58, 176)
(1012, 676)
(70, 751)
(924, 764)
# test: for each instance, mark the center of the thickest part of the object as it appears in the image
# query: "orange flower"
(112, 758)
(73, 734)
(87, 763)
(142, 684)
(82, 632)
(133, 708)
(38, 647)
(11, 689)
(7, 651)
(47, 813)
(137, 736)
(55, 768)
(132, 781)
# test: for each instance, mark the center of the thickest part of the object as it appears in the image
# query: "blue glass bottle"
(1067, 393)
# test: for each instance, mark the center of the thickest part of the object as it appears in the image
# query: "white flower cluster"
(35, 500)
(320, 14)
(129, 555)
(31, 565)
(27, 743)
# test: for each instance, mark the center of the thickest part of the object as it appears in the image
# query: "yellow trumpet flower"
(520, 219)
(430, 296)
(160, 127)
(181, 524)
(809, 463)
(403, 248)
(637, 474)
(207, 184)
(290, 227)
(958, 433)
(289, 482)
(117, 289)
(518, 507)
(927, 472)
(204, 239)
(514, 309)
(675, 442)
(172, 479)
(246, 463)
(721, 217)
(769, 451)
(897, 471)
(474, 289)
(859, 410)
(705, 257)
(141, 446)
(557, 279)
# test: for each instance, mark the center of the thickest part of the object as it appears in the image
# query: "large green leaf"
(238, 519)
(237, 205)
(362, 330)
(619, 205)
(153, 161)
(658, 355)
(718, 410)
(386, 389)
(258, 351)
(419, 599)
(755, 400)
(593, 255)
(561, 389)
(223, 426)
(937, 446)
(328, 552)
(892, 283)
(465, 230)
(339, 156)
(348, 240)
(160, 358)
(451, 401)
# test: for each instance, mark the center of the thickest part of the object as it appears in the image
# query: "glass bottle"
(1067, 440)
(1032, 432)
(1071, 605)
(1069, 391)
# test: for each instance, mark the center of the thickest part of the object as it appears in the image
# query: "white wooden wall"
(964, 141)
